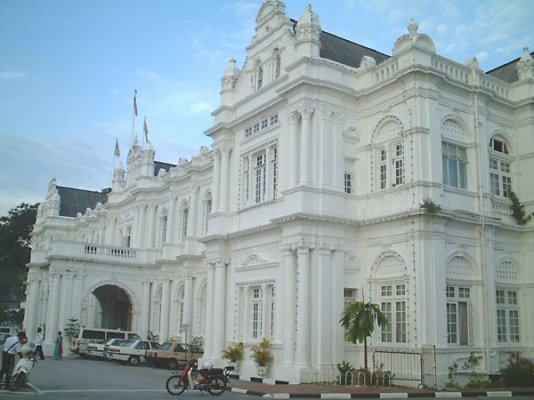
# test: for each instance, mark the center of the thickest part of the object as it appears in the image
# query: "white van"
(83, 336)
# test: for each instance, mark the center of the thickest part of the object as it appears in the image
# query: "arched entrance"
(114, 307)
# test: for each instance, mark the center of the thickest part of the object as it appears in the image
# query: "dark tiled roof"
(74, 201)
(507, 72)
(346, 52)
(158, 165)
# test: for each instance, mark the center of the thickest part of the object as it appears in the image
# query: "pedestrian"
(39, 343)
(58, 348)
(12, 346)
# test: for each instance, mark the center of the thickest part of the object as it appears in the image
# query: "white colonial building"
(323, 153)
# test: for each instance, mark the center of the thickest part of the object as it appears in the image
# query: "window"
(399, 165)
(206, 211)
(259, 77)
(507, 316)
(264, 123)
(348, 182)
(274, 119)
(261, 177)
(500, 177)
(383, 169)
(393, 305)
(256, 313)
(500, 171)
(275, 172)
(392, 155)
(277, 62)
(454, 160)
(458, 300)
(185, 216)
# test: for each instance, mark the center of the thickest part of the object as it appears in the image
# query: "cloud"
(11, 75)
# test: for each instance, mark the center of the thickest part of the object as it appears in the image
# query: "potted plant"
(261, 356)
(234, 354)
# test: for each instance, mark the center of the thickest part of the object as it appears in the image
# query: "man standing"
(39, 343)
(11, 347)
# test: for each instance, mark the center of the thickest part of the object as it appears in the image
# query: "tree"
(358, 319)
(15, 248)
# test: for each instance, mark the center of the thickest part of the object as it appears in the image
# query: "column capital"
(306, 112)
(294, 117)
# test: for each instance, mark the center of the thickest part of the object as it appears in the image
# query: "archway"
(114, 307)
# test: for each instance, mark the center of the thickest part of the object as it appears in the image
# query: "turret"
(308, 34)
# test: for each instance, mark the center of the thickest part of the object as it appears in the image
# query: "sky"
(68, 71)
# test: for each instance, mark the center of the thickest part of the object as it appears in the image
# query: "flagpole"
(134, 115)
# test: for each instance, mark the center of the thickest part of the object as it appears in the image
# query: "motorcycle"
(22, 369)
(213, 380)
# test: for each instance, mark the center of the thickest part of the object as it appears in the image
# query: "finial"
(412, 27)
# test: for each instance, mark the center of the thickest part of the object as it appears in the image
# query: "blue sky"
(68, 70)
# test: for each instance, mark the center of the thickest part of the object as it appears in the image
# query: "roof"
(74, 201)
(158, 165)
(507, 72)
(346, 52)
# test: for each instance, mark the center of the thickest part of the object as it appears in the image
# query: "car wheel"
(134, 361)
(171, 363)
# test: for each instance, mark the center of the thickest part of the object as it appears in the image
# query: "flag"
(135, 102)
(145, 128)
(117, 151)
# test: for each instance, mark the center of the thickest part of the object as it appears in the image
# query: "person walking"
(58, 348)
(11, 347)
(39, 343)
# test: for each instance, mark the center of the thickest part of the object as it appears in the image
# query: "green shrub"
(343, 368)
(520, 372)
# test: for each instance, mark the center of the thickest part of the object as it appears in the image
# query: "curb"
(387, 395)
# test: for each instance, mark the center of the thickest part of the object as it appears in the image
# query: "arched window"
(184, 220)
(500, 168)
(259, 81)
(277, 62)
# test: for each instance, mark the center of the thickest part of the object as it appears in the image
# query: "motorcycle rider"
(12, 347)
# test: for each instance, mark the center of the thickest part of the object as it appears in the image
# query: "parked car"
(131, 351)
(174, 354)
(84, 336)
(98, 350)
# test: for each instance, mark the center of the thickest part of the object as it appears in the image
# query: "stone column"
(289, 306)
(77, 288)
(293, 156)
(150, 226)
(193, 216)
(210, 303)
(66, 298)
(140, 236)
(306, 141)
(53, 314)
(188, 300)
(303, 350)
(246, 305)
(145, 315)
(32, 304)
(216, 179)
(164, 316)
(219, 310)
(338, 160)
(171, 220)
(324, 311)
(325, 153)
(265, 331)
(225, 183)
(268, 173)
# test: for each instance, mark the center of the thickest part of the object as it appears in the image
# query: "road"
(75, 378)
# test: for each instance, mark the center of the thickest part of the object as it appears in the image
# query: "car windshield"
(166, 346)
(127, 343)
(195, 349)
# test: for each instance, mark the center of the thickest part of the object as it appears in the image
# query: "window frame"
(458, 304)
(454, 161)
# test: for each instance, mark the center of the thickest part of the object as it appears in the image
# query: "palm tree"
(358, 319)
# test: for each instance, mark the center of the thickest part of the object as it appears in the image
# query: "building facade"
(336, 173)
